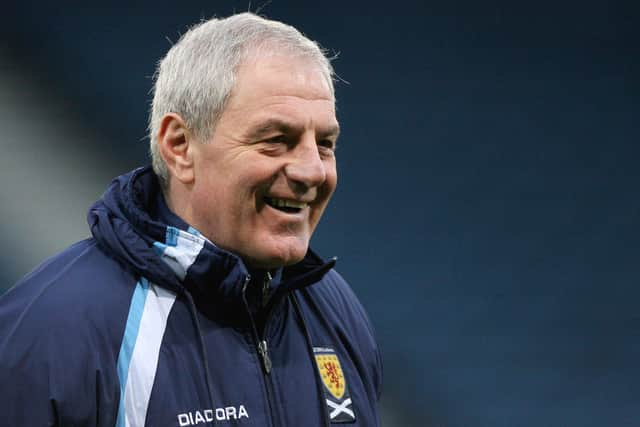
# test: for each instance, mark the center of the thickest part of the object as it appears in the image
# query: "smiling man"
(197, 300)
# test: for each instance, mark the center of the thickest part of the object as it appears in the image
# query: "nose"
(305, 168)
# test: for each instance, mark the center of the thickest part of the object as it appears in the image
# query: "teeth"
(284, 203)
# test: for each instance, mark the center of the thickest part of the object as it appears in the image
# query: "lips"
(285, 205)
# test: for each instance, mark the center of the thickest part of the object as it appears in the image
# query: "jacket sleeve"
(50, 371)
(24, 396)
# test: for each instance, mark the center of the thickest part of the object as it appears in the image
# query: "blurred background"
(487, 213)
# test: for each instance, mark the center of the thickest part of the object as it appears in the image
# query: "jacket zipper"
(265, 289)
(262, 347)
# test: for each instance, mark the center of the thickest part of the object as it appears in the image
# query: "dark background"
(487, 212)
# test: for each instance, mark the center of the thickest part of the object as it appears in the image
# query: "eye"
(278, 139)
(327, 144)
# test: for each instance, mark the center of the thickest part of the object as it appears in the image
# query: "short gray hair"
(196, 77)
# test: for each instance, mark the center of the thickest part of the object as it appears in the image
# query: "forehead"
(271, 79)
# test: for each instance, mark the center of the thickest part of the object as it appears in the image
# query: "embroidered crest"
(331, 374)
(339, 404)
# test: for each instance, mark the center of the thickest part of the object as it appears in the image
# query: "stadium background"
(487, 214)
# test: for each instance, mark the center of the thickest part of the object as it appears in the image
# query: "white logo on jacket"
(209, 415)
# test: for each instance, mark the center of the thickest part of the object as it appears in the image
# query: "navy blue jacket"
(147, 323)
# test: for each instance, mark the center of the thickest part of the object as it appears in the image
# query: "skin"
(275, 139)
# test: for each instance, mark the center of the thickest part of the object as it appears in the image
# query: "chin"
(279, 256)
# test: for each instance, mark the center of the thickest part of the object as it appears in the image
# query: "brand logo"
(339, 404)
(203, 416)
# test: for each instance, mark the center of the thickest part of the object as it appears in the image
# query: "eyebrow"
(269, 126)
(333, 130)
(274, 124)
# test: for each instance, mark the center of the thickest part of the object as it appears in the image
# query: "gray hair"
(196, 77)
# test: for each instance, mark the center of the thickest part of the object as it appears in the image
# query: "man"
(197, 300)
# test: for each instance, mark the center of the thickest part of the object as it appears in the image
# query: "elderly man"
(197, 300)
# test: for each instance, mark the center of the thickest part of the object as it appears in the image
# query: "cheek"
(332, 180)
(235, 187)
(328, 188)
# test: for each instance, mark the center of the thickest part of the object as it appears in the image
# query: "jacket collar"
(132, 223)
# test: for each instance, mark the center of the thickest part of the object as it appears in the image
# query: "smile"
(285, 205)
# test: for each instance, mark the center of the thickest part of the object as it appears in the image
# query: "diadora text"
(210, 415)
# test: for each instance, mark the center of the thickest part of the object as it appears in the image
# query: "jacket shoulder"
(72, 286)
(340, 301)
(60, 333)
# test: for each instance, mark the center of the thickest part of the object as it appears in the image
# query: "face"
(264, 179)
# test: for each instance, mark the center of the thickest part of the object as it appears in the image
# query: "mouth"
(286, 205)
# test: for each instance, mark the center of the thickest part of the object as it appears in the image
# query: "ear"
(174, 145)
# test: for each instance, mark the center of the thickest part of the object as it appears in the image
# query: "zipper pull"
(264, 355)
(247, 279)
